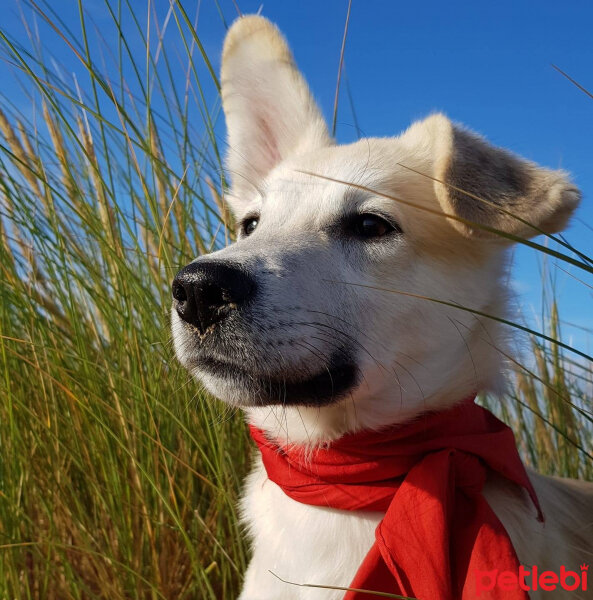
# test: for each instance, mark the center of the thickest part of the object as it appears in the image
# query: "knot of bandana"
(427, 477)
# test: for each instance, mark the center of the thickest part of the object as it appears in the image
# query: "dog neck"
(435, 381)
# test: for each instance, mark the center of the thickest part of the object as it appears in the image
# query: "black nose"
(206, 291)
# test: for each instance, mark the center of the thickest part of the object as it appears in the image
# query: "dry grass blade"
(574, 82)
(340, 66)
(343, 589)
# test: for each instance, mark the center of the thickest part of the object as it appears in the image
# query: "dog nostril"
(213, 297)
(179, 292)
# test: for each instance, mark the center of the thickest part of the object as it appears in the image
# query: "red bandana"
(427, 476)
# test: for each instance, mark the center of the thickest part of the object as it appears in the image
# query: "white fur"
(321, 292)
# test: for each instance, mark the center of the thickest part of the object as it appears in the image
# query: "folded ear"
(489, 186)
(270, 113)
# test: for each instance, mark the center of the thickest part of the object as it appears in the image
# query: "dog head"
(355, 295)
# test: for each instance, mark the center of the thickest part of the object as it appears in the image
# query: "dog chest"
(300, 543)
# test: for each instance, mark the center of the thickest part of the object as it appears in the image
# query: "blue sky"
(485, 64)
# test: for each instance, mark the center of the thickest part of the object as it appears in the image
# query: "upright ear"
(488, 186)
(270, 113)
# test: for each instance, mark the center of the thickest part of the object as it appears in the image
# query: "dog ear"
(488, 186)
(270, 113)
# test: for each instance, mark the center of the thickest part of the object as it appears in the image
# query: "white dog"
(320, 320)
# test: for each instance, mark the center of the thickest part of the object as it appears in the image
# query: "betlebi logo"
(531, 579)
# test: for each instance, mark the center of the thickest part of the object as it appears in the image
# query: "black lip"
(326, 387)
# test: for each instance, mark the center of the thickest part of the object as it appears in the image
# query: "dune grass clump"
(116, 479)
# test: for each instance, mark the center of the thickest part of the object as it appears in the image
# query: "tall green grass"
(117, 478)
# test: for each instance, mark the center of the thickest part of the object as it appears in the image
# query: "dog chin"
(235, 385)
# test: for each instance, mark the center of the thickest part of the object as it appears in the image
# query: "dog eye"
(248, 225)
(370, 226)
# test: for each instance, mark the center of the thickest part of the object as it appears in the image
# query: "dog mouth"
(331, 383)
